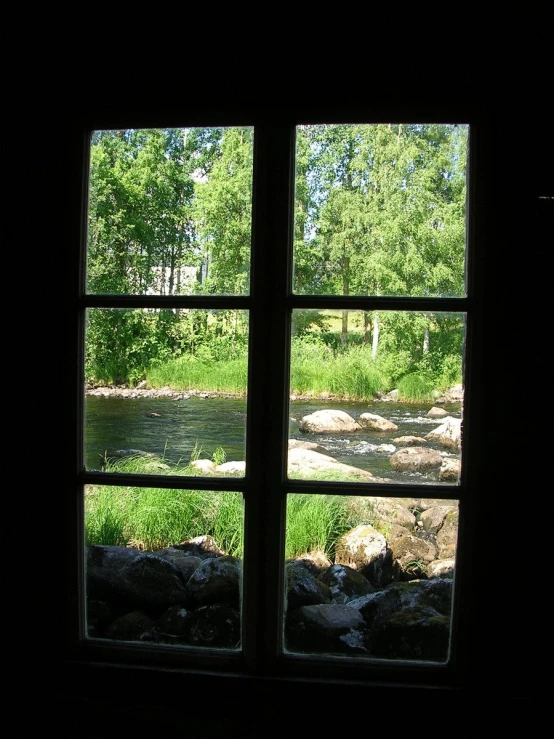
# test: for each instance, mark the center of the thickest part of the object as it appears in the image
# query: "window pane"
(369, 577)
(376, 396)
(166, 391)
(380, 210)
(170, 211)
(164, 566)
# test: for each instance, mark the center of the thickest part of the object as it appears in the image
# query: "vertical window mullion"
(267, 427)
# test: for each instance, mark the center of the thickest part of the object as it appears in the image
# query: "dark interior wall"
(516, 243)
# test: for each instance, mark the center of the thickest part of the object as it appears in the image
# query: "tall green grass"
(155, 518)
(350, 373)
(415, 387)
(314, 523)
(190, 373)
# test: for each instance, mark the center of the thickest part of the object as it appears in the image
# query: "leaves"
(379, 210)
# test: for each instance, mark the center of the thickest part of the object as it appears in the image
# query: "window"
(348, 247)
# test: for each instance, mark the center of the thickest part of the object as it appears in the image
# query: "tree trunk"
(345, 291)
(367, 328)
(426, 340)
(375, 334)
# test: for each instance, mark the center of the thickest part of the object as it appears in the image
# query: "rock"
(417, 459)
(448, 434)
(345, 583)
(450, 470)
(375, 606)
(376, 423)
(364, 549)
(307, 462)
(328, 421)
(410, 441)
(436, 413)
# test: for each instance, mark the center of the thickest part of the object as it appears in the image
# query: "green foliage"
(227, 523)
(122, 344)
(450, 371)
(379, 210)
(189, 373)
(355, 374)
(350, 373)
(223, 212)
(154, 518)
(304, 322)
(161, 517)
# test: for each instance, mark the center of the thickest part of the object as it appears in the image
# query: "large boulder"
(328, 421)
(308, 463)
(366, 550)
(376, 423)
(448, 434)
(417, 459)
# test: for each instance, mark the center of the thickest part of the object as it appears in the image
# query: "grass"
(314, 524)
(155, 518)
(414, 387)
(351, 374)
(190, 373)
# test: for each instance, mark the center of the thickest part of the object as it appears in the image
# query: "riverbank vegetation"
(379, 210)
(317, 369)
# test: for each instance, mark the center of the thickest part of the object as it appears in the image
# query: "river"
(179, 427)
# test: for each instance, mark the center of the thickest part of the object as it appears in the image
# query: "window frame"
(270, 303)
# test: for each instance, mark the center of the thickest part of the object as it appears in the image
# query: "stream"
(179, 428)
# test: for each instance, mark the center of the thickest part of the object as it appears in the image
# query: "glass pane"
(170, 211)
(380, 210)
(369, 577)
(166, 391)
(164, 566)
(376, 396)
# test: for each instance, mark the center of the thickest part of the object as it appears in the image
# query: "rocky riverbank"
(453, 395)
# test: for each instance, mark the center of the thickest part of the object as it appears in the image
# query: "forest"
(379, 210)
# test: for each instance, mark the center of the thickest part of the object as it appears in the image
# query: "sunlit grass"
(314, 523)
(187, 373)
(351, 373)
(155, 518)
(414, 387)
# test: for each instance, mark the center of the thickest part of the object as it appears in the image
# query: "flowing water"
(179, 429)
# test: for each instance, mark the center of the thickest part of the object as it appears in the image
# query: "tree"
(387, 206)
(223, 212)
